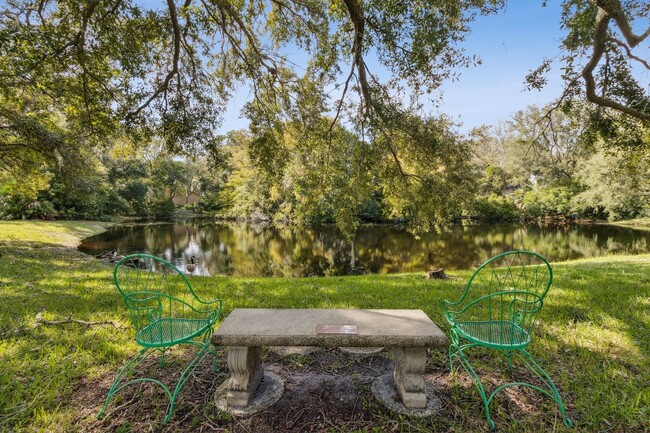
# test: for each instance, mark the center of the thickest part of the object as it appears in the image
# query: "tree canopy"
(602, 61)
(77, 76)
(169, 70)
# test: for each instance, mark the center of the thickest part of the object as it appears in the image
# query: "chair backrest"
(153, 289)
(514, 270)
(509, 287)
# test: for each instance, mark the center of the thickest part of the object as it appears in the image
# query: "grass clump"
(593, 337)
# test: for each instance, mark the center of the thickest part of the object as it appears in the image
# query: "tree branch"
(628, 51)
(39, 320)
(614, 9)
(173, 14)
(357, 17)
(250, 39)
(599, 47)
(340, 104)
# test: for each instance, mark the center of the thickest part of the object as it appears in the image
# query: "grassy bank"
(593, 339)
(638, 223)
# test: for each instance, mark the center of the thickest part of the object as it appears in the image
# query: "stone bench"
(408, 332)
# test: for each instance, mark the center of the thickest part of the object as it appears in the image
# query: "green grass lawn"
(593, 337)
(638, 223)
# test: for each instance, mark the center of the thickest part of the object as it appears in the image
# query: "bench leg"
(246, 374)
(408, 375)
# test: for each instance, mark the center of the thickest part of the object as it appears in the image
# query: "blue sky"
(510, 44)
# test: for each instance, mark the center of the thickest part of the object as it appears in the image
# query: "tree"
(547, 144)
(117, 66)
(616, 183)
(171, 69)
(602, 49)
(128, 175)
(170, 177)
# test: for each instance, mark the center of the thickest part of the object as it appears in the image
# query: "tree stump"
(437, 274)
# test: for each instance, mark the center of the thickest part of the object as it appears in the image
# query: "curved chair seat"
(170, 331)
(501, 334)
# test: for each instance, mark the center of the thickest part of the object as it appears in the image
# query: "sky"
(510, 44)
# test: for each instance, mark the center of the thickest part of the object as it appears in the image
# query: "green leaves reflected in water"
(246, 250)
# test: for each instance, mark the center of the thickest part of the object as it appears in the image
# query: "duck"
(116, 257)
(191, 267)
(106, 255)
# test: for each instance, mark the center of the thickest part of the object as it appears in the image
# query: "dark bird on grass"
(116, 257)
(106, 255)
(191, 267)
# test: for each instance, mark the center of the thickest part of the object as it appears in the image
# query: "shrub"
(549, 201)
(494, 208)
(163, 208)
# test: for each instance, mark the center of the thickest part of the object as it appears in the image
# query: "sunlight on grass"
(65, 233)
(638, 223)
(611, 344)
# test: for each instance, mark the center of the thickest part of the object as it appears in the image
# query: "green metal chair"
(497, 310)
(165, 312)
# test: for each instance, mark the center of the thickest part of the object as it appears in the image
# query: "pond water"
(250, 251)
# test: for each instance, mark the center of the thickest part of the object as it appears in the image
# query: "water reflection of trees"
(244, 250)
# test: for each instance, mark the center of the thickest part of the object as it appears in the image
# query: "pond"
(250, 251)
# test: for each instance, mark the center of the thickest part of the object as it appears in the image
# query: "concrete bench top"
(297, 327)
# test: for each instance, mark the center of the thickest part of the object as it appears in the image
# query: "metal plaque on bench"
(337, 329)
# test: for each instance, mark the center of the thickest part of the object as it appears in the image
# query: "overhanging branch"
(358, 21)
(599, 47)
(173, 14)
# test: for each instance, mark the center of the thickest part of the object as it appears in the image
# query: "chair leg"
(126, 370)
(117, 385)
(452, 350)
(535, 368)
(464, 362)
(162, 358)
(541, 373)
(453, 347)
(457, 351)
(509, 362)
(215, 362)
(212, 349)
(205, 350)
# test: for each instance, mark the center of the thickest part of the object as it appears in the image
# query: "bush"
(20, 207)
(494, 208)
(549, 201)
(163, 208)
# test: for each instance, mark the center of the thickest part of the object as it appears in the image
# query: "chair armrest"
(532, 302)
(145, 308)
(212, 301)
(215, 312)
(448, 312)
(216, 308)
(138, 302)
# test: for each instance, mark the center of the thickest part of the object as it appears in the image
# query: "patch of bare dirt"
(326, 391)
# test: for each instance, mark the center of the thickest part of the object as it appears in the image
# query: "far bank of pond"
(251, 251)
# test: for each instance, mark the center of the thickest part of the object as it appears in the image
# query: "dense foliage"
(122, 181)
(543, 163)
(91, 93)
(538, 164)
